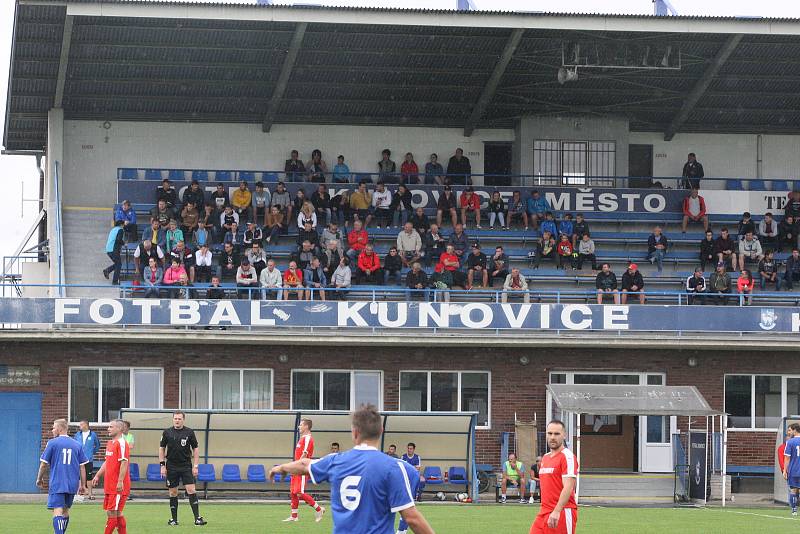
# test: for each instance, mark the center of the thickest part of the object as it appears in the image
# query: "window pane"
(737, 401)
(305, 390)
(657, 429)
(444, 392)
(367, 389)
(194, 389)
(475, 395)
(414, 392)
(792, 396)
(655, 380)
(768, 401)
(225, 390)
(116, 392)
(606, 379)
(83, 394)
(147, 388)
(558, 378)
(336, 394)
(257, 390)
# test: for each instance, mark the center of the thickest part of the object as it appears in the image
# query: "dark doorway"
(640, 165)
(497, 163)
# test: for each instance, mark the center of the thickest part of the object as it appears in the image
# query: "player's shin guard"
(793, 501)
(195, 505)
(111, 524)
(66, 524)
(173, 507)
(59, 524)
(122, 526)
(295, 504)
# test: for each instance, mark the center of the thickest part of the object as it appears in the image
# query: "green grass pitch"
(146, 518)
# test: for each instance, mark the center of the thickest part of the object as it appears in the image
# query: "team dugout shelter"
(96, 87)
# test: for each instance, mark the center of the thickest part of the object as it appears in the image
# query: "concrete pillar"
(55, 158)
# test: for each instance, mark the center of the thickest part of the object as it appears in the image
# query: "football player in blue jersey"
(368, 487)
(791, 467)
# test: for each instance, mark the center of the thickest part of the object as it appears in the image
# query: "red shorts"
(567, 523)
(114, 501)
(298, 484)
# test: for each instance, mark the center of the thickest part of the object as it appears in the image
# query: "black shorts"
(89, 468)
(176, 475)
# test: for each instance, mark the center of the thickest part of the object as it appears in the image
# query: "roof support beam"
(702, 84)
(491, 85)
(63, 62)
(283, 78)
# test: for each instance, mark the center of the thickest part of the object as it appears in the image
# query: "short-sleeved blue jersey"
(367, 488)
(414, 460)
(793, 457)
(65, 456)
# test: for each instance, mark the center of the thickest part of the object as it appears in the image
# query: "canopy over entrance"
(631, 400)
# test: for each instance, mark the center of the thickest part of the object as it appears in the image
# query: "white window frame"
(322, 372)
(460, 393)
(752, 427)
(131, 388)
(241, 370)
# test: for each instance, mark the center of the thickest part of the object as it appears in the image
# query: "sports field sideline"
(146, 518)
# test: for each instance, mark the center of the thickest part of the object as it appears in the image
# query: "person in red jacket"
(470, 202)
(694, 210)
(369, 267)
(450, 262)
(293, 281)
(357, 240)
(745, 285)
(409, 171)
(564, 250)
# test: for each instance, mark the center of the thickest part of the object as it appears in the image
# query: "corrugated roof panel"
(158, 89)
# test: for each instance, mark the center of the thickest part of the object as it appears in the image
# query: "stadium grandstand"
(221, 141)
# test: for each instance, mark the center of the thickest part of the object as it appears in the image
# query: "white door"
(655, 443)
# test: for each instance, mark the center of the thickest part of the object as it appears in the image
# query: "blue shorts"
(59, 500)
(794, 482)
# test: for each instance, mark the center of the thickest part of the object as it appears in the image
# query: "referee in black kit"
(179, 458)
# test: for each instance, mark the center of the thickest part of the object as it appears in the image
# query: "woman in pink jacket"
(172, 277)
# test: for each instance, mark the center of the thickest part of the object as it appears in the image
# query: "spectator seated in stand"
(204, 264)
(719, 285)
(315, 281)
(283, 201)
(768, 232)
(409, 245)
(155, 234)
(442, 280)
(434, 245)
(750, 250)
(580, 228)
(476, 265)
(293, 282)
(304, 256)
(185, 256)
(172, 278)
(276, 225)
(543, 247)
(517, 209)
(341, 279)
(145, 251)
(792, 273)
(768, 271)
(392, 266)
(381, 205)
(167, 193)
(420, 221)
(357, 240)
(632, 282)
(696, 287)
(294, 168)
(793, 205)
(271, 281)
(194, 194)
(369, 267)
(460, 242)
(190, 220)
(220, 199)
(401, 206)
(566, 226)
(606, 284)
(307, 215)
(459, 169)
(332, 233)
(330, 258)
(321, 200)
(209, 222)
(417, 283)
(409, 170)
(215, 291)
(515, 285)
(261, 201)
(257, 257)
(434, 172)
(152, 278)
(787, 233)
(253, 234)
(470, 203)
(565, 252)
(173, 235)
(361, 205)
(447, 203)
(235, 237)
(537, 206)
(549, 224)
(498, 265)
(229, 262)
(316, 168)
(127, 215)
(450, 262)
(387, 168)
(163, 214)
(708, 255)
(306, 233)
(694, 210)
(657, 245)
(725, 249)
(514, 476)
(341, 172)
(745, 285)
(247, 281)
(746, 224)
(497, 210)
(586, 252)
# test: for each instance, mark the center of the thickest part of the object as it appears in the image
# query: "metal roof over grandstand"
(630, 400)
(167, 61)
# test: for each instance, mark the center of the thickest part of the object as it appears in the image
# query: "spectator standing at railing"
(694, 210)
(498, 265)
(579, 229)
(606, 284)
(369, 267)
(708, 253)
(696, 287)
(341, 172)
(127, 215)
(409, 171)
(271, 281)
(446, 204)
(229, 262)
(460, 241)
(719, 285)
(768, 270)
(434, 244)
(692, 172)
(517, 208)
(470, 202)
(632, 282)
(361, 204)
(242, 201)
(387, 169)
(246, 279)
(401, 206)
(276, 225)
(315, 280)
(745, 285)
(316, 167)
(787, 233)
(162, 213)
(321, 200)
(220, 198)
(283, 200)
(536, 206)
(381, 205)
(586, 252)
(459, 169)
(417, 283)
(420, 221)
(261, 201)
(497, 211)
(657, 245)
(294, 167)
(144, 252)
(515, 285)
(341, 279)
(195, 195)
(725, 248)
(357, 241)
(167, 193)
(114, 243)
(204, 264)
(409, 245)
(792, 273)
(434, 172)
(768, 232)
(793, 205)
(750, 250)
(152, 277)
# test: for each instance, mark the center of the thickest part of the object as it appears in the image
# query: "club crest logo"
(768, 319)
(184, 441)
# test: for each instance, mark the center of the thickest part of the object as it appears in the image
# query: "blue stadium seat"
(287, 479)
(457, 475)
(200, 176)
(270, 177)
(757, 185)
(205, 473)
(128, 174)
(134, 471)
(433, 475)
(256, 473)
(247, 176)
(154, 473)
(734, 185)
(177, 175)
(153, 174)
(230, 473)
(781, 185)
(223, 176)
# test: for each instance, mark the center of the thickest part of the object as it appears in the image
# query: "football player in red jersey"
(297, 491)
(116, 478)
(558, 476)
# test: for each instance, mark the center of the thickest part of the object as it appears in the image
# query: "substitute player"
(367, 486)
(558, 475)
(781, 453)
(791, 466)
(179, 458)
(297, 490)
(67, 463)
(116, 478)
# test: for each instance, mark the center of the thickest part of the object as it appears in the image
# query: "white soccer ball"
(461, 497)
(441, 496)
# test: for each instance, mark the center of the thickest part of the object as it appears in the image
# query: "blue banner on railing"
(573, 199)
(395, 315)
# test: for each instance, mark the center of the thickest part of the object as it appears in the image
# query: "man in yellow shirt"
(513, 475)
(241, 200)
(360, 203)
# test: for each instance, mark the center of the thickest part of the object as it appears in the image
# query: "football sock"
(111, 524)
(58, 524)
(173, 507)
(309, 500)
(122, 526)
(66, 524)
(402, 528)
(195, 505)
(295, 504)
(793, 501)
(503, 495)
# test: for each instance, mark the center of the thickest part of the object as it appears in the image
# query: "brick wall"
(515, 388)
